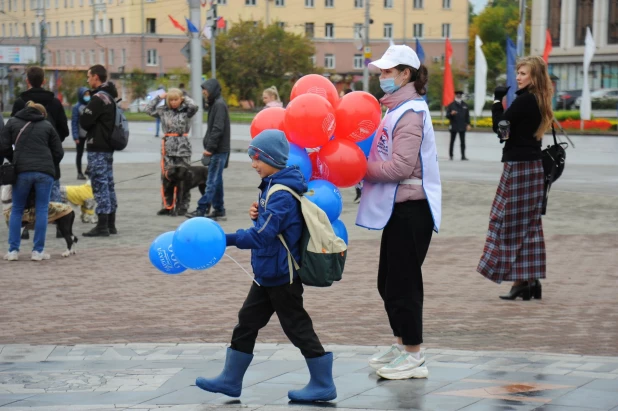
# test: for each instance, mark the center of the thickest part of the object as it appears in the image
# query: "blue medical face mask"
(388, 85)
(86, 98)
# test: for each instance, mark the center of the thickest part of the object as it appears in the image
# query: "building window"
(57, 29)
(102, 57)
(359, 4)
(329, 61)
(358, 61)
(281, 24)
(91, 26)
(310, 30)
(388, 30)
(446, 4)
(446, 30)
(583, 19)
(418, 30)
(81, 27)
(554, 10)
(111, 26)
(309, 3)
(32, 30)
(123, 56)
(329, 30)
(92, 57)
(358, 30)
(280, 3)
(66, 28)
(329, 3)
(250, 2)
(418, 4)
(67, 58)
(122, 28)
(3, 30)
(82, 58)
(388, 4)
(222, 2)
(151, 58)
(110, 57)
(72, 28)
(312, 60)
(58, 57)
(612, 24)
(151, 26)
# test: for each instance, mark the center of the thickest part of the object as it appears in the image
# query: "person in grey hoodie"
(216, 152)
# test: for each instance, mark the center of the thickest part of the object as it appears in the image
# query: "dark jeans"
(42, 184)
(214, 184)
(405, 242)
(79, 153)
(462, 142)
(285, 300)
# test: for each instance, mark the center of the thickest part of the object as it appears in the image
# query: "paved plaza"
(104, 330)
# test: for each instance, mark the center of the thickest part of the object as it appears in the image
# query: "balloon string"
(242, 268)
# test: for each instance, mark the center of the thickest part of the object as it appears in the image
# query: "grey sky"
(478, 5)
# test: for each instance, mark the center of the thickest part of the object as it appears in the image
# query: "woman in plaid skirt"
(515, 247)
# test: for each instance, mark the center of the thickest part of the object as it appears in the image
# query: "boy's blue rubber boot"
(321, 386)
(229, 382)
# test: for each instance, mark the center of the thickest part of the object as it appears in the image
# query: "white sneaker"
(404, 367)
(12, 256)
(385, 357)
(38, 256)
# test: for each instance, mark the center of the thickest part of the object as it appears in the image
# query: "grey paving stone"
(412, 388)
(187, 395)
(44, 400)
(450, 373)
(603, 385)
(12, 398)
(500, 405)
(427, 402)
(583, 397)
(551, 407)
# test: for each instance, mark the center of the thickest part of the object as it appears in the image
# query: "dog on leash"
(62, 215)
(81, 196)
(187, 178)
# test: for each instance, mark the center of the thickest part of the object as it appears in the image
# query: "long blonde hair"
(541, 87)
(272, 91)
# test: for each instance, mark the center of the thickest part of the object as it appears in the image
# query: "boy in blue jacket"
(276, 292)
(79, 134)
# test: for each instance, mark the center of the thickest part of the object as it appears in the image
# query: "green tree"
(251, 57)
(174, 77)
(435, 84)
(139, 82)
(71, 82)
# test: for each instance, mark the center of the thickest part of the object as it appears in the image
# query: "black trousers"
(405, 241)
(285, 300)
(462, 142)
(79, 152)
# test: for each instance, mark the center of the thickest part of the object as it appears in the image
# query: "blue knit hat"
(271, 147)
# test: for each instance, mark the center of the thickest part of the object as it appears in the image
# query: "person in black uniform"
(459, 115)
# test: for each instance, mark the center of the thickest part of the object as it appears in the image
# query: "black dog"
(187, 178)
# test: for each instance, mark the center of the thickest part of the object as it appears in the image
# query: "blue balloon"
(162, 255)
(298, 157)
(340, 230)
(199, 243)
(365, 144)
(326, 196)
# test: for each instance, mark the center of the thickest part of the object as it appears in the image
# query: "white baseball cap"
(396, 55)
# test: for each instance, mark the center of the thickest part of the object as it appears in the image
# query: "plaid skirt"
(515, 247)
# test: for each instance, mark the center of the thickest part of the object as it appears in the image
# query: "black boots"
(525, 290)
(102, 228)
(111, 223)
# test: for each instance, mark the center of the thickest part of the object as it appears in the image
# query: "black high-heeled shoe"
(522, 290)
(536, 289)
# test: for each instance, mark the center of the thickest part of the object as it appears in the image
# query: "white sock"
(401, 347)
(416, 355)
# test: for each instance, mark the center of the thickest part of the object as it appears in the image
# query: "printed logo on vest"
(383, 142)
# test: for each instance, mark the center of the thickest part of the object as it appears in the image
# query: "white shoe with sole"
(12, 256)
(38, 256)
(385, 357)
(404, 367)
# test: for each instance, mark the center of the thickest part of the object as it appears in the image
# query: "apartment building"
(129, 34)
(567, 21)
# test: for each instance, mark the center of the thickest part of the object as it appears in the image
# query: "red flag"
(220, 23)
(448, 91)
(176, 24)
(548, 46)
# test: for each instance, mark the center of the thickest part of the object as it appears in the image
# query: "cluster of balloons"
(198, 244)
(330, 138)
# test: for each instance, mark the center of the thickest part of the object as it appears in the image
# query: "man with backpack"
(99, 119)
(35, 78)
(277, 227)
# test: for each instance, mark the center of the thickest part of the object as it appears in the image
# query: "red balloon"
(316, 84)
(272, 117)
(358, 116)
(342, 163)
(309, 121)
(315, 171)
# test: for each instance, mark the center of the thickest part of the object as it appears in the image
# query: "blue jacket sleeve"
(75, 122)
(270, 223)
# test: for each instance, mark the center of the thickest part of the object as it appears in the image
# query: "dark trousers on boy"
(285, 300)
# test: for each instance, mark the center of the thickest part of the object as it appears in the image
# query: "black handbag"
(8, 175)
(554, 159)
